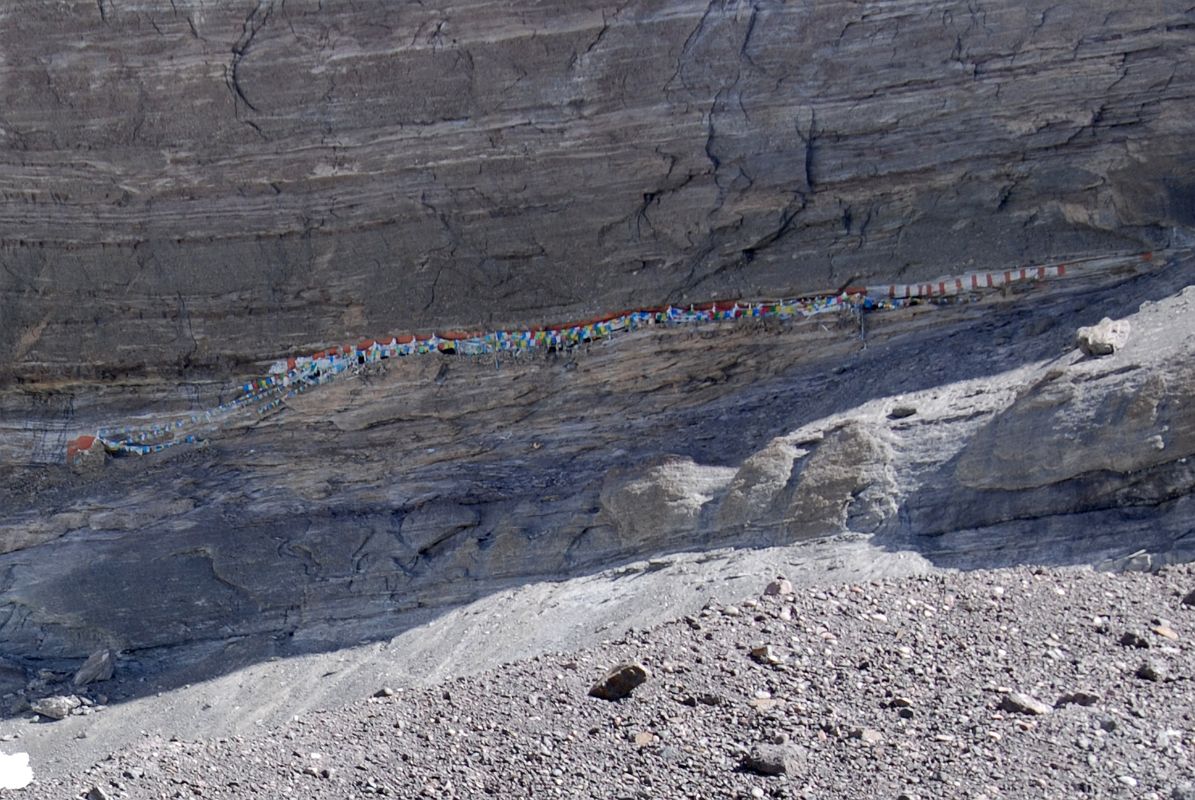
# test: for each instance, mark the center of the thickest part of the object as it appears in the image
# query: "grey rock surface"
(201, 185)
(435, 482)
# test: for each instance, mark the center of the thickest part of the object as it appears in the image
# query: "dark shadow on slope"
(316, 575)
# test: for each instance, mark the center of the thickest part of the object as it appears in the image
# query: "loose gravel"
(987, 684)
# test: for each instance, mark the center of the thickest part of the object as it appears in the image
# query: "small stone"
(1077, 698)
(1189, 600)
(644, 738)
(757, 792)
(1127, 780)
(1152, 670)
(766, 654)
(385, 691)
(901, 412)
(779, 587)
(99, 666)
(901, 702)
(869, 736)
(764, 703)
(1023, 704)
(732, 611)
(1165, 631)
(620, 681)
(96, 793)
(772, 759)
(1166, 738)
(1133, 639)
(57, 706)
(1104, 338)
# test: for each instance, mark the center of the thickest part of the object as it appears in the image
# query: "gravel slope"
(894, 688)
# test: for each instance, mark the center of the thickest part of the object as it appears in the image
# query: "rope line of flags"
(289, 377)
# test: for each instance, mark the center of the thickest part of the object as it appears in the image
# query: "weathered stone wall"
(203, 183)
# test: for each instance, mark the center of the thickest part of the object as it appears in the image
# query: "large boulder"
(1104, 338)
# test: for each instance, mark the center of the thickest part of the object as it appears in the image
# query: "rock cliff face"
(186, 193)
(971, 434)
(219, 182)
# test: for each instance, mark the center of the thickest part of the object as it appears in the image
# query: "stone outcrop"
(654, 505)
(812, 486)
(1103, 338)
(201, 185)
(375, 499)
(188, 194)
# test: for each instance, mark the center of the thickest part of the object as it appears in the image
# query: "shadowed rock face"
(216, 182)
(422, 483)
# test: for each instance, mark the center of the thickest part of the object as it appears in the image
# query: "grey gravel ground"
(1008, 683)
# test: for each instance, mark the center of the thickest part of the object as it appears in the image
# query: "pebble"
(1165, 631)
(780, 586)
(766, 654)
(764, 703)
(1020, 703)
(1186, 789)
(771, 759)
(1077, 698)
(1133, 639)
(620, 681)
(869, 736)
(1152, 670)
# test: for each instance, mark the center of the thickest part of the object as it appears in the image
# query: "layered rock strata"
(205, 185)
(425, 483)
